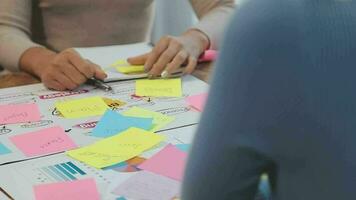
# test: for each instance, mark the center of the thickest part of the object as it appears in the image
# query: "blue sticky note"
(4, 149)
(183, 147)
(113, 123)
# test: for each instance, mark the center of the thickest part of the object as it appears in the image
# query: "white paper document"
(106, 55)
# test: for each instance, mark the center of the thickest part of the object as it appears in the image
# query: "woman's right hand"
(66, 70)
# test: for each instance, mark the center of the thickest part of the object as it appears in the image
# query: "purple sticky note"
(71, 190)
(45, 141)
(169, 162)
(148, 186)
(11, 114)
(197, 101)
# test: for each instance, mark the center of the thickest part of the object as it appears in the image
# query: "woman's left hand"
(171, 52)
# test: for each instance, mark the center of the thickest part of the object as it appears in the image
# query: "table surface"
(202, 72)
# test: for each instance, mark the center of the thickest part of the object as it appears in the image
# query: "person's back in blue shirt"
(282, 102)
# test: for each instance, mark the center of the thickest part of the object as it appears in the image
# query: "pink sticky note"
(169, 162)
(11, 114)
(197, 101)
(45, 141)
(71, 190)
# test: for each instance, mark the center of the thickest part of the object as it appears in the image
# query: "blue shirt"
(282, 102)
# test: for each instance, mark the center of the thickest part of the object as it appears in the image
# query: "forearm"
(198, 38)
(213, 18)
(35, 59)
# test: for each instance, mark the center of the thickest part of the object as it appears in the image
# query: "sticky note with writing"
(197, 101)
(70, 190)
(4, 149)
(159, 87)
(42, 142)
(169, 162)
(11, 114)
(159, 120)
(113, 123)
(149, 186)
(85, 107)
(117, 148)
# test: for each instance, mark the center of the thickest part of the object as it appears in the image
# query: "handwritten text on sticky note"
(45, 141)
(147, 185)
(10, 114)
(85, 107)
(118, 148)
(159, 87)
(70, 190)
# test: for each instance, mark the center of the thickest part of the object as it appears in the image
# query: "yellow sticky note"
(131, 69)
(85, 107)
(118, 148)
(113, 103)
(120, 62)
(159, 120)
(159, 87)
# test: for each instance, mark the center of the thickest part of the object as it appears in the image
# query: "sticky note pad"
(117, 148)
(159, 120)
(131, 69)
(4, 150)
(11, 114)
(113, 123)
(197, 101)
(42, 142)
(85, 107)
(159, 87)
(169, 162)
(70, 190)
(149, 186)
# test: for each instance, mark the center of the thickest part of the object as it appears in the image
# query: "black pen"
(99, 84)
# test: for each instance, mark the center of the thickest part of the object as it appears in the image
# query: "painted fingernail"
(164, 74)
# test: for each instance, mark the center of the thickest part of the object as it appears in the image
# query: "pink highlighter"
(208, 56)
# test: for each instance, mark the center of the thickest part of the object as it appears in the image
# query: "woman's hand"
(172, 52)
(66, 70)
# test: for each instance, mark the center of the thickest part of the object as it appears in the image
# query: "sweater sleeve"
(213, 17)
(15, 32)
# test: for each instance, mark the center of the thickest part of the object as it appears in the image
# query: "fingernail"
(164, 74)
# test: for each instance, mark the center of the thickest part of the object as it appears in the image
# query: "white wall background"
(172, 17)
